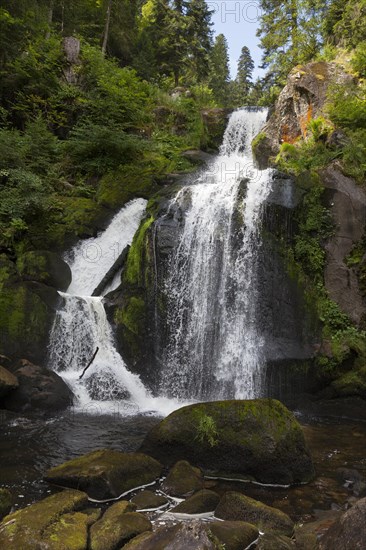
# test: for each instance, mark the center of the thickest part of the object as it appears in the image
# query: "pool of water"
(29, 445)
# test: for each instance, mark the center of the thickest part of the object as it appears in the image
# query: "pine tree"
(243, 81)
(199, 36)
(219, 75)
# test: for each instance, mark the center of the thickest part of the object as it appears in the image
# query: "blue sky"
(238, 21)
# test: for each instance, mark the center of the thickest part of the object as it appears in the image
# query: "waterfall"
(81, 326)
(214, 346)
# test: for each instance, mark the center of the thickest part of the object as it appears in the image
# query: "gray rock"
(147, 500)
(349, 531)
(8, 381)
(183, 480)
(187, 536)
(201, 502)
(234, 535)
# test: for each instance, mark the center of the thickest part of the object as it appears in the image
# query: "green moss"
(33, 265)
(134, 273)
(118, 187)
(133, 315)
(257, 140)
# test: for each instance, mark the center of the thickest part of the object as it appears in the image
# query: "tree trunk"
(176, 78)
(106, 28)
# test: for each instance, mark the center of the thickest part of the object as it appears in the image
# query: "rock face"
(51, 524)
(44, 267)
(347, 203)
(349, 531)
(238, 507)
(38, 388)
(8, 381)
(302, 98)
(106, 474)
(258, 439)
(183, 480)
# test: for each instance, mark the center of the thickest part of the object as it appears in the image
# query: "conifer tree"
(219, 75)
(199, 36)
(243, 81)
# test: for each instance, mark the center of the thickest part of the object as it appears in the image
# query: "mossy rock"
(353, 383)
(147, 500)
(183, 480)
(201, 502)
(234, 535)
(5, 502)
(269, 541)
(238, 507)
(8, 381)
(39, 525)
(106, 474)
(118, 525)
(118, 187)
(190, 536)
(256, 439)
(45, 267)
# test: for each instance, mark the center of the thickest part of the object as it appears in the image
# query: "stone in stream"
(349, 531)
(238, 507)
(38, 388)
(55, 523)
(5, 502)
(147, 500)
(199, 503)
(188, 536)
(106, 474)
(234, 535)
(119, 524)
(183, 480)
(8, 381)
(257, 439)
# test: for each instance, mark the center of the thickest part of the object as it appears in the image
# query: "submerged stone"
(257, 439)
(238, 507)
(106, 474)
(147, 500)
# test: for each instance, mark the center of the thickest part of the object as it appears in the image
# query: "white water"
(214, 344)
(92, 258)
(82, 325)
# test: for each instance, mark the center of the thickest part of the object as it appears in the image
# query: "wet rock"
(5, 502)
(183, 480)
(39, 388)
(45, 267)
(147, 500)
(199, 503)
(307, 534)
(215, 121)
(192, 536)
(349, 531)
(39, 525)
(234, 535)
(258, 439)
(106, 474)
(8, 381)
(195, 156)
(118, 525)
(238, 507)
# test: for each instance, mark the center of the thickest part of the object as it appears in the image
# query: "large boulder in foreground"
(257, 439)
(55, 523)
(183, 480)
(349, 531)
(38, 388)
(106, 474)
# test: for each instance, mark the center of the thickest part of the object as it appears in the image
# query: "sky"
(238, 20)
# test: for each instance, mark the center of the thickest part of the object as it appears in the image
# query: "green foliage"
(219, 74)
(206, 429)
(358, 60)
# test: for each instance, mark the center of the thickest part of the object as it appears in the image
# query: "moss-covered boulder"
(238, 507)
(258, 439)
(106, 474)
(50, 524)
(192, 536)
(234, 535)
(147, 500)
(199, 503)
(5, 502)
(183, 480)
(119, 524)
(8, 381)
(269, 541)
(352, 383)
(38, 388)
(44, 267)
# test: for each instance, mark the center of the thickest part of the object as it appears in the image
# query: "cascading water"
(214, 347)
(81, 326)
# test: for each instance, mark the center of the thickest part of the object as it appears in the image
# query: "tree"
(199, 36)
(243, 80)
(219, 73)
